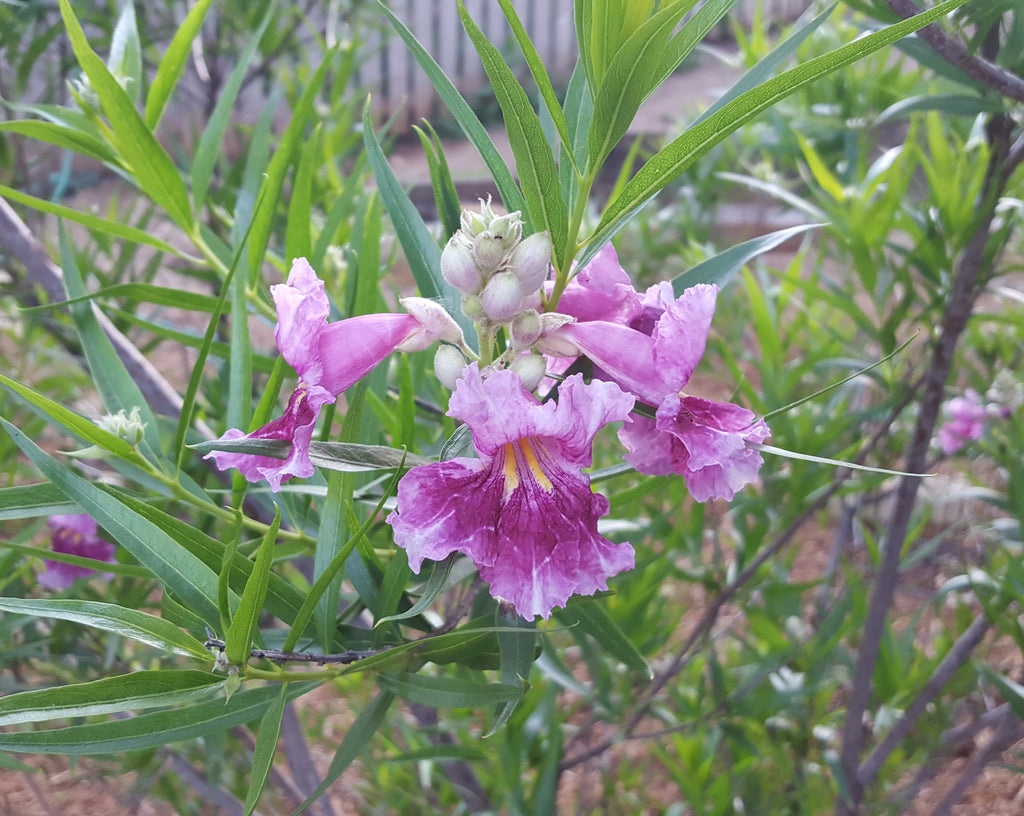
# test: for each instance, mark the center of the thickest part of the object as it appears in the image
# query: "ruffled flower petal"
(524, 512)
(295, 425)
(601, 290)
(302, 310)
(74, 535)
(681, 332)
(704, 441)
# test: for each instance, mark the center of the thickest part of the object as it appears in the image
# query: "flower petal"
(352, 348)
(601, 290)
(681, 332)
(302, 310)
(295, 425)
(74, 535)
(704, 441)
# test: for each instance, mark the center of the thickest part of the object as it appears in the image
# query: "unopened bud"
(435, 324)
(473, 308)
(508, 229)
(531, 369)
(531, 260)
(128, 427)
(488, 252)
(459, 268)
(448, 365)
(502, 297)
(525, 329)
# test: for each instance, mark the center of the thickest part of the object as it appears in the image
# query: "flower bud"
(473, 308)
(448, 365)
(508, 229)
(459, 268)
(531, 260)
(531, 369)
(128, 427)
(435, 324)
(525, 329)
(488, 252)
(502, 297)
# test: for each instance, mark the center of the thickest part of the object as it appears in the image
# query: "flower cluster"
(523, 509)
(74, 535)
(968, 415)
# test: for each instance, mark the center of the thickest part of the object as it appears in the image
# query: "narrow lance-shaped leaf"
(129, 692)
(238, 640)
(682, 152)
(538, 174)
(151, 167)
(266, 746)
(129, 623)
(173, 63)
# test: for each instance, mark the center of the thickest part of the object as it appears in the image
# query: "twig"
(279, 656)
(1009, 732)
(961, 301)
(954, 659)
(953, 51)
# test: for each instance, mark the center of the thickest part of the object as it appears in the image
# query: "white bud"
(473, 308)
(531, 369)
(508, 229)
(448, 365)
(435, 324)
(488, 252)
(525, 329)
(459, 268)
(531, 260)
(502, 298)
(128, 427)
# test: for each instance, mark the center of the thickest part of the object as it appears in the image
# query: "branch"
(279, 656)
(953, 51)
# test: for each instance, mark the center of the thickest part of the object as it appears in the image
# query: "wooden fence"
(401, 87)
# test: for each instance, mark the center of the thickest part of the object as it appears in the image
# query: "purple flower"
(966, 421)
(329, 358)
(651, 348)
(524, 511)
(74, 535)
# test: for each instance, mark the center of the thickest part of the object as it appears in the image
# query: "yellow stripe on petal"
(509, 470)
(534, 465)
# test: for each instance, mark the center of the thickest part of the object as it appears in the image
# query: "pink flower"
(966, 421)
(651, 347)
(329, 358)
(74, 535)
(524, 511)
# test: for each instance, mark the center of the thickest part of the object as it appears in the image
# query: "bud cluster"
(499, 273)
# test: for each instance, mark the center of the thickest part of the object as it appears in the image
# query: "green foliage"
(225, 607)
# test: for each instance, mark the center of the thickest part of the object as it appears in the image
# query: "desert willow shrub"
(396, 554)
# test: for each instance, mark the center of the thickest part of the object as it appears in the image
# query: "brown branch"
(279, 656)
(953, 51)
(1009, 732)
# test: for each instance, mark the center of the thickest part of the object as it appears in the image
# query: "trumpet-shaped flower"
(650, 345)
(524, 511)
(966, 422)
(74, 535)
(329, 358)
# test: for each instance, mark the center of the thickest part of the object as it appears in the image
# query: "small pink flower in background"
(524, 511)
(74, 535)
(650, 345)
(966, 421)
(329, 358)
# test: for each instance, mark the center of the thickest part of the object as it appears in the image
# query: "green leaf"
(446, 197)
(127, 692)
(266, 746)
(69, 138)
(432, 590)
(538, 174)
(356, 739)
(116, 386)
(273, 182)
(238, 640)
(590, 616)
(951, 104)
(173, 63)
(33, 500)
(125, 58)
(151, 729)
(298, 241)
(517, 654)
(682, 152)
(421, 250)
(141, 293)
(75, 560)
(208, 149)
(129, 623)
(347, 457)
(151, 167)
(724, 265)
(540, 76)
(92, 222)
(463, 114)
(448, 692)
(180, 571)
